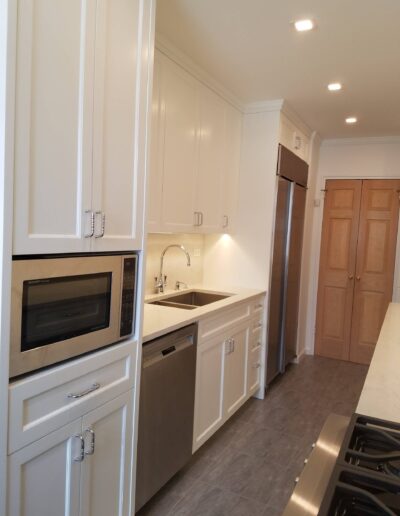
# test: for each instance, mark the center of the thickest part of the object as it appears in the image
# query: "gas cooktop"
(366, 477)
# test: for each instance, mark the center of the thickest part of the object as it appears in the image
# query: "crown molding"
(281, 105)
(295, 119)
(368, 140)
(265, 106)
(166, 47)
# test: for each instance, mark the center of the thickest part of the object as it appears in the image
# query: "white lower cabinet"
(81, 469)
(43, 478)
(105, 481)
(235, 375)
(221, 381)
(229, 365)
(209, 410)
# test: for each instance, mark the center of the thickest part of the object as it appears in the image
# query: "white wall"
(307, 272)
(363, 158)
(243, 258)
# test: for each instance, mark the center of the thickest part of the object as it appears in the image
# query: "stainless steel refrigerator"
(286, 262)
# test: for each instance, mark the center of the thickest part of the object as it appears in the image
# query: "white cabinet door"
(235, 374)
(233, 141)
(106, 478)
(155, 180)
(43, 478)
(209, 410)
(53, 125)
(118, 179)
(211, 161)
(180, 94)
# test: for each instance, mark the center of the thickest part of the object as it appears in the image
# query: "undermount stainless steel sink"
(190, 300)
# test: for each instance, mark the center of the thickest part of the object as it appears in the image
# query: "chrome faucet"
(161, 281)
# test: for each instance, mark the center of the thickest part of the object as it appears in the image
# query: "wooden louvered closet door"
(359, 239)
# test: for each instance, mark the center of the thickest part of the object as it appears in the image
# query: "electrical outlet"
(196, 252)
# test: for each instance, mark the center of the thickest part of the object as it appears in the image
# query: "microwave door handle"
(93, 388)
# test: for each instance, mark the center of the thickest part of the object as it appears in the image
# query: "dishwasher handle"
(165, 347)
(169, 350)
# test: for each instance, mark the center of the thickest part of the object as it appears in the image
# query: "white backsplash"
(174, 261)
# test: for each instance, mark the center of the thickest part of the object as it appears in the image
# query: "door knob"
(351, 276)
(358, 278)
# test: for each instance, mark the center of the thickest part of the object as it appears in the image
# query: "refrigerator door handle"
(282, 359)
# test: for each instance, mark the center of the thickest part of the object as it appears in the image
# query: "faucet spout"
(161, 282)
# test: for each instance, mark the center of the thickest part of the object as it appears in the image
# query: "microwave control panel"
(128, 296)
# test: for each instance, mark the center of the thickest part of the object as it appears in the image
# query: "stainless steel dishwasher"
(166, 410)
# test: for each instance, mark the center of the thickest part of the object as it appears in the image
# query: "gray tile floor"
(248, 467)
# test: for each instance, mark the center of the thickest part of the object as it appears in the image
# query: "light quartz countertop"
(159, 320)
(380, 396)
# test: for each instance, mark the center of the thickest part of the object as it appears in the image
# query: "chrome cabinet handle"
(93, 388)
(196, 218)
(103, 224)
(225, 222)
(201, 218)
(92, 441)
(89, 235)
(81, 455)
(229, 346)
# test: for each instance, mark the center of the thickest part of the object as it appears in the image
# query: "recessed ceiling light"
(351, 120)
(334, 86)
(303, 25)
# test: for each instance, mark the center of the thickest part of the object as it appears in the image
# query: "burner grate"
(356, 493)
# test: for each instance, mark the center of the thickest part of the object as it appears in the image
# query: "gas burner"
(372, 445)
(358, 493)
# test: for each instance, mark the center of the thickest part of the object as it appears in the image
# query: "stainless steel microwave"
(65, 306)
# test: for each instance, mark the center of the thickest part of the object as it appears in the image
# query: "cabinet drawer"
(254, 369)
(229, 317)
(257, 325)
(257, 305)
(50, 399)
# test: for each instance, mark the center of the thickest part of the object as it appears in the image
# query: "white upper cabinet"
(154, 186)
(230, 182)
(80, 114)
(180, 96)
(53, 125)
(195, 153)
(212, 149)
(117, 185)
(294, 138)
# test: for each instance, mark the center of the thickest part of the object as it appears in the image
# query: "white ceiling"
(250, 47)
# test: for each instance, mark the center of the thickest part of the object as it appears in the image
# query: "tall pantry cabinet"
(80, 105)
(79, 79)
